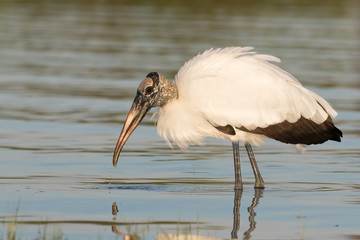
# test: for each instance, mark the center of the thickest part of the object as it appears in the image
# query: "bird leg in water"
(238, 181)
(259, 182)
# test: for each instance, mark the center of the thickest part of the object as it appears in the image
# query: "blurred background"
(69, 72)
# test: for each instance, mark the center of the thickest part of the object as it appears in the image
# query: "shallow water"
(68, 74)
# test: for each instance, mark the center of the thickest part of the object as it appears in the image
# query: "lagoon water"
(68, 74)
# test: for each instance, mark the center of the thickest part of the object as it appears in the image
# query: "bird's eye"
(148, 90)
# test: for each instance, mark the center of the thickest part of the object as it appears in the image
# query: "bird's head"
(154, 91)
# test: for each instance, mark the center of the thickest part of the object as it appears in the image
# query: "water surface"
(69, 72)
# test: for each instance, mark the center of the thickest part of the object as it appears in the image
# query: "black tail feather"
(303, 131)
(337, 134)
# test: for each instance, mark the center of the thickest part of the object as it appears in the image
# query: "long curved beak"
(136, 113)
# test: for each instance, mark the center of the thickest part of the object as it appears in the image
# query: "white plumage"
(236, 94)
(237, 87)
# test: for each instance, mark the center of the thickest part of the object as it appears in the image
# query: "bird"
(232, 93)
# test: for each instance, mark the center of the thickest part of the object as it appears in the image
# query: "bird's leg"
(238, 181)
(259, 182)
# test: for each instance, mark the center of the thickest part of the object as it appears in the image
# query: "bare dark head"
(148, 89)
(154, 91)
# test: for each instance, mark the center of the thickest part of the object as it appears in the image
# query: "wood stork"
(232, 93)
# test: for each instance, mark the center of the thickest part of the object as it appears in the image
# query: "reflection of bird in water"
(254, 203)
(115, 210)
(252, 214)
(235, 94)
(236, 221)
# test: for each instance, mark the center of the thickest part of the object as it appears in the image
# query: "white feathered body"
(237, 87)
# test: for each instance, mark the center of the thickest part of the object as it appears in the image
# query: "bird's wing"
(241, 88)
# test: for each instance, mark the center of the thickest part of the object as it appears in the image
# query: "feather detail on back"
(235, 87)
